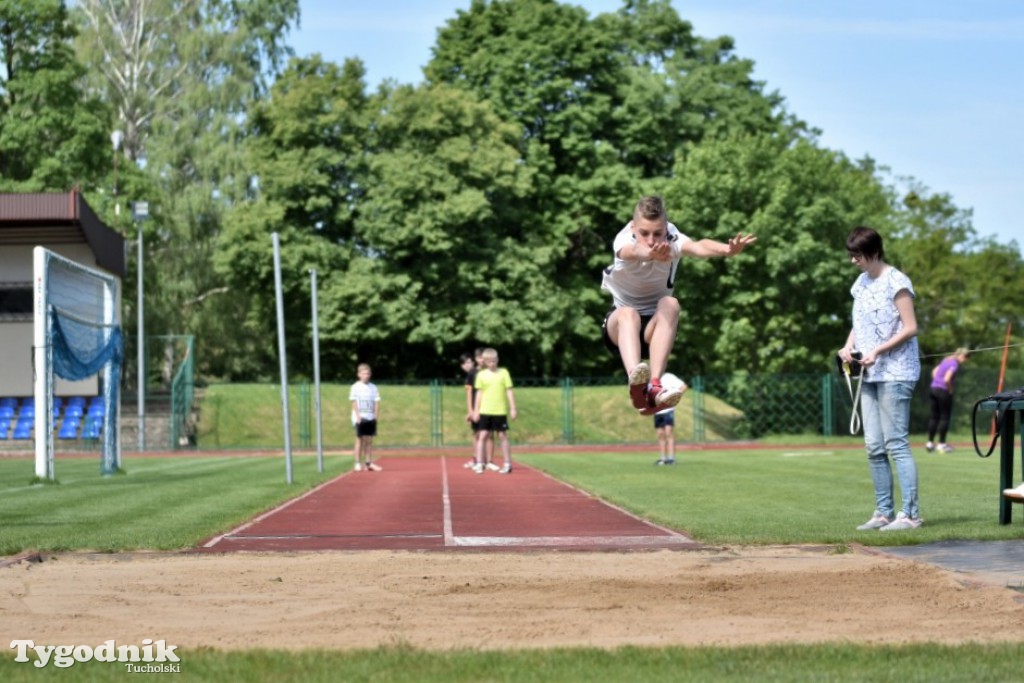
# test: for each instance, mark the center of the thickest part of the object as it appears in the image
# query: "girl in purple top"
(941, 394)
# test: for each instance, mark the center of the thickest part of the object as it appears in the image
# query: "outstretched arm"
(660, 251)
(707, 248)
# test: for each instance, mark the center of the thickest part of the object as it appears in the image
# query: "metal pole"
(281, 352)
(316, 378)
(142, 353)
(43, 382)
(115, 138)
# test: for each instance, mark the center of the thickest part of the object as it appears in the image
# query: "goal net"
(77, 335)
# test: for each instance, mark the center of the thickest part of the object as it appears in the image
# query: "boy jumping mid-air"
(644, 317)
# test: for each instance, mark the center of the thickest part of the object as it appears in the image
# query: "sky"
(931, 89)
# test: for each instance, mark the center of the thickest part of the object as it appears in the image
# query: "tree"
(52, 135)
(967, 288)
(606, 106)
(408, 203)
(305, 156)
(182, 75)
(783, 305)
(441, 227)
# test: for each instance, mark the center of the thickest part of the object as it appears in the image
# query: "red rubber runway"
(428, 503)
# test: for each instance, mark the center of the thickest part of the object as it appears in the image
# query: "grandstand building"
(65, 224)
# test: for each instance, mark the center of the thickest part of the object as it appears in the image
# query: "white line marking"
(217, 539)
(804, 454)
(570, 541)
(649, 523)
(292, 537)
(447, 500)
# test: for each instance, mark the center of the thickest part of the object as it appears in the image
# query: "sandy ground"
(725, 596)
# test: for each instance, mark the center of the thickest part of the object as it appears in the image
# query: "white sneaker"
(507, 469)
(374, 467)
(493, 467)
(902, 523)
(877, 521)
(639, 376)
(478, 469)
(667, 398)
(929, 447)
(944, 448)
(1015, 493)
(469, 464)
(358, 467)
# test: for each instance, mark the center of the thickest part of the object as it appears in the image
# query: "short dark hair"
(866, 242)
(464, 357)
(651, 207)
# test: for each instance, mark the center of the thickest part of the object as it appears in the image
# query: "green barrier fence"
(570, 410)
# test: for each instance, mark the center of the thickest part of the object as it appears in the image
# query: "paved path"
(997, 562)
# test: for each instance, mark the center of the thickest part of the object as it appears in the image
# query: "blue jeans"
(885, 411)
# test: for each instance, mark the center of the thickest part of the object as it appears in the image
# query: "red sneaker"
(639, 376)
(660, 398)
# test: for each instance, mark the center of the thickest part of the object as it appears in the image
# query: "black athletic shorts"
(366, 428)
(493, 423)
(665, 419)
(645, 350)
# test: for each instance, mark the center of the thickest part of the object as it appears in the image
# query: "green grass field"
(783, 664)
(788, 496)
(160, 503)
(772, 495)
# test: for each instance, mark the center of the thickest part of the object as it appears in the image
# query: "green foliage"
(53, 135)
(605, 105)
(783, 305)
(195, 67)
(966, 287)
(477, 208)
(441, 231)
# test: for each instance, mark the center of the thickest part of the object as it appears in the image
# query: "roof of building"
(45, 218)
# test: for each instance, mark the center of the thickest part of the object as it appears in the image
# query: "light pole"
(115, 139)
(140, 212)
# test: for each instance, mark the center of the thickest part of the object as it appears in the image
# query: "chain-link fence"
(570, 410)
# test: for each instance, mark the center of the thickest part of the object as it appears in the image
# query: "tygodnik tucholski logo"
(150, 657)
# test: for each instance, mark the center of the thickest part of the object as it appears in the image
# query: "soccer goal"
(77, 334)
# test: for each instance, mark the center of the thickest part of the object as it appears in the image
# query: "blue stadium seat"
(6, 412)
(5, 427)
(69, 428)
(77, 401)
(27, 410)
(23, 429)
(28, 401)
(74, 410)
(95, 410)
(93, 427)
(9, 401)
